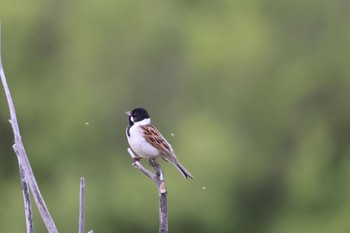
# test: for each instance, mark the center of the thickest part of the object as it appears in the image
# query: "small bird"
(148, 142)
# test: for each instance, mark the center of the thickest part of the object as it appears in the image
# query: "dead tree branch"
(25, 168)
(158, 179)
(27, 201)
(81, 206)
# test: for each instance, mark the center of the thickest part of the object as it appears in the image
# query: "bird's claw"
(136, 159)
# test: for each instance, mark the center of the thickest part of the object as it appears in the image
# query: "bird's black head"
(138, 114)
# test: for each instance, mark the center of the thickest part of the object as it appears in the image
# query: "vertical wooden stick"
(81, 206)
(27, 201)
(162, 195)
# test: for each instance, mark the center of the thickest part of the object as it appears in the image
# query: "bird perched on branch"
(148, 142)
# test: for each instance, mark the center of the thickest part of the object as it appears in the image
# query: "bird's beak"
(128, 113)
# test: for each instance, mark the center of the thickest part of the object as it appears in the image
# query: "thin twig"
(24, 182)
(139, 166)
(81, 206)
(27, 202)
(158, 179)
(23, 158)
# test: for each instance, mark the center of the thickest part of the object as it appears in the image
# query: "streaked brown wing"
(156, 139)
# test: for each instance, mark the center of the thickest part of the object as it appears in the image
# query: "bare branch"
(81, 206)
(27, 202)
(158, 179)
(139, 166)
(23, 159)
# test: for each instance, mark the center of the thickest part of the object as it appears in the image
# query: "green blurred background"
(255, 92)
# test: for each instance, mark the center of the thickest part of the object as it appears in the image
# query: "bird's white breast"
(139, 144)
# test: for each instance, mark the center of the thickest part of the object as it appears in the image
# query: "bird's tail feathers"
(183, 170)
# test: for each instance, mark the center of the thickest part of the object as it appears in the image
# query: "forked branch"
(158, 179)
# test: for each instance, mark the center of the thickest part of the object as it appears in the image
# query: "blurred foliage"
(255, 92)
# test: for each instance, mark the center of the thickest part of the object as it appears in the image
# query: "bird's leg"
(152, 162)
